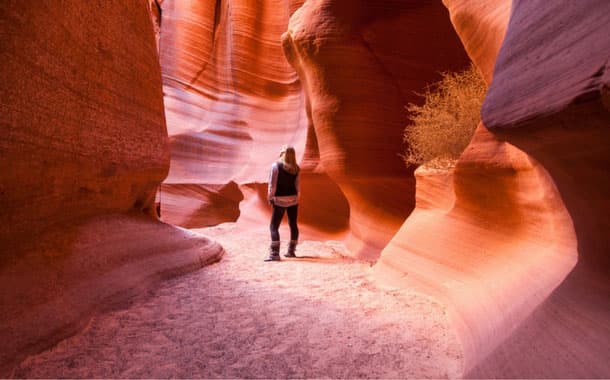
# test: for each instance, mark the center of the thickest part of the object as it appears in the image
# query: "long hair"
(289, 160)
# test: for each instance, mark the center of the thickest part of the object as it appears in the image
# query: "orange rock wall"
(550, 98)
(83, 149)
(358, 77)
(232, 99)
(227, 88)
(504, 240)
(514, 241)
(66, 112)
(481, 26)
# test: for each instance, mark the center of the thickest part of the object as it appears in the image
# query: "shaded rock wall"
(550, 98)
(358, 77)
(83, 147)
(518, 253)
(84, 127)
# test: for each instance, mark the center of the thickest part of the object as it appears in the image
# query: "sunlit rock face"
(550, 98)
(515, 240)
(360, 63)
(481, 26)
(491, 241)
(232, 100)
(83, 147)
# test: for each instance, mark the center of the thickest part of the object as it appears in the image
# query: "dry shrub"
(441, 129)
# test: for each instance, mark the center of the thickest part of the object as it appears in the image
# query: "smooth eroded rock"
(231, 99)
(520, 254)
(357, 77)
(84, 148)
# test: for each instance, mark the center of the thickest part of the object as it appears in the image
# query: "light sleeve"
(272, 186)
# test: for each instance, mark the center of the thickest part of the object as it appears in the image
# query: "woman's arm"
(272, 182)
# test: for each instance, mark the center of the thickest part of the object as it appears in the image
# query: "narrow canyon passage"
(315, 316)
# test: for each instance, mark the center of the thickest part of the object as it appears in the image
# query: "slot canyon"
(137, 140)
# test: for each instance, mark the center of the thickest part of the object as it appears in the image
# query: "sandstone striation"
(550, 98)
(357, 77)
(84, 148)
(231, 99)
(481, 26)
(494, 253)
(518, 251)
(513, 242)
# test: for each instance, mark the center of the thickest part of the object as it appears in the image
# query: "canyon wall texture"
(232, 100)
(358, 76)
(481, 26)
(550, 98)
(512, 240)
(84, 148)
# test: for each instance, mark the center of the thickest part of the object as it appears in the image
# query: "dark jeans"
(276, 219)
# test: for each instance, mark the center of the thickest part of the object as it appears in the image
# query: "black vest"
(286, 182)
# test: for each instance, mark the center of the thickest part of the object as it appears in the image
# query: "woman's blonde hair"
(288, 158)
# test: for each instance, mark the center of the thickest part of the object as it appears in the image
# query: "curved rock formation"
(481, 26)
(519, 254)
(550, 97)
(201, 205)
(514, 241)
(495, 252)
(357, 77)
(231, 102)
(231, 98)
(84, 147)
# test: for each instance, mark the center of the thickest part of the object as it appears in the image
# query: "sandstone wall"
(358, 76)
(550, 98)
(517, 252)
(84, 148)
(82, 114)
(481, 26)
(231, 101)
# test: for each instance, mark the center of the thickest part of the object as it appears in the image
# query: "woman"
(283, 195)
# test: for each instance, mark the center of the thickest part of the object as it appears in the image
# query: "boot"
(292, 247)
(274, 251)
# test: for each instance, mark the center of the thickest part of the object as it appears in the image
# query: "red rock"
(565, 61)
(483, 255)
(481, 26)
(208, 205)
(231, 99)
(84, 148)
(358, 77)
(514, 242)
(550, 98)
(521, 254)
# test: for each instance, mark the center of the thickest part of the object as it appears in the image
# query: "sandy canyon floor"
(315, 316)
